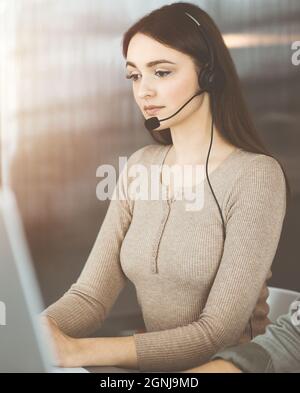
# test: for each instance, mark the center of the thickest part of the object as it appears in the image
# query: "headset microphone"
(153, 123)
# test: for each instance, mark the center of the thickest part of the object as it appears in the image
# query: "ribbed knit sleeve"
(82, 309)
(254, 212)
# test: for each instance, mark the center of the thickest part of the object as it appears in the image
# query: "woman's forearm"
(107, 351)
(215, 366)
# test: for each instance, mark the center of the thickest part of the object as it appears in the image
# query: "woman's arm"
(103, 351)
(215, 366)
(108, 351)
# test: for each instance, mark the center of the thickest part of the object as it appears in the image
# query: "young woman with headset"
(200, 275)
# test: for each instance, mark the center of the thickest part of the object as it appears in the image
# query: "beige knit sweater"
(196, 292)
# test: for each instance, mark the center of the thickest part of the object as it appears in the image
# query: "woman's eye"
(161, 73)
(132, 76)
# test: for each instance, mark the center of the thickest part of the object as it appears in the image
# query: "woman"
(200, 275)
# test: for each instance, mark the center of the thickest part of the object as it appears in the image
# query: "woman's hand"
(98, 351)
(66, 351)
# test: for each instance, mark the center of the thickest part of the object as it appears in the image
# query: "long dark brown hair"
(170, 26)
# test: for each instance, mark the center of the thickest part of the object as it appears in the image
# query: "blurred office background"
(66, 108)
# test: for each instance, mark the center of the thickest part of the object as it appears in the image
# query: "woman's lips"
(152, 111)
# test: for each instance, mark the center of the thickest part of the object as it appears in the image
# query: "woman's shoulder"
(257, 184)
(259, 164)
(256, 173)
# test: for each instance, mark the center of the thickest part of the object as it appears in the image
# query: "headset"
(206, 78)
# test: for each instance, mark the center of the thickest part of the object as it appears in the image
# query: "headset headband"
(211, 53)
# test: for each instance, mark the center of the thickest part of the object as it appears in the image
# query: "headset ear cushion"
(206, 79)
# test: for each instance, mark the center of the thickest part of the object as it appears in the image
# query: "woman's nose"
(145, 89)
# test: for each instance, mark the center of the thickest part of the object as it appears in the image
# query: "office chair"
(279, 301)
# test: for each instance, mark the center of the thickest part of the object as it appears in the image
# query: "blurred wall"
(68, 109)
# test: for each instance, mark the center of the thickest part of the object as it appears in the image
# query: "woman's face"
(164, 84)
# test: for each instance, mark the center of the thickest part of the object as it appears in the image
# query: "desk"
(100, 369)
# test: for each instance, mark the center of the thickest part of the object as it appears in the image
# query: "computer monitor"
(23, 339)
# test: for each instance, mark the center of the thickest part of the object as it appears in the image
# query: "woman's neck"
(193, 155)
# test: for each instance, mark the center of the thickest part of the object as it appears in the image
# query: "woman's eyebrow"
(151, 63)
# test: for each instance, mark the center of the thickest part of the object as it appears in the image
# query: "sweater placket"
(166, 207)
